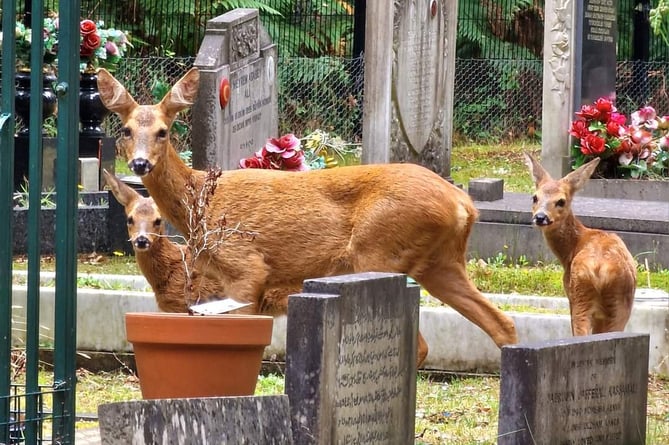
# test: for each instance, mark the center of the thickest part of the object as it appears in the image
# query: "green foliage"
(319, 94)
(475, 35)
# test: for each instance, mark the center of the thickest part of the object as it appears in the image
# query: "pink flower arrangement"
(636, 150)
(282, 153)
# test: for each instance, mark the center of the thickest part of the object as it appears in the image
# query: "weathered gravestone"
(583, 390)
(579, 67)
(216, 420)
(351, 360)
(408, 102)
(236, 110)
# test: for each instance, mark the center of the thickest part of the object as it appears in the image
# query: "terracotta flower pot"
(179, 355)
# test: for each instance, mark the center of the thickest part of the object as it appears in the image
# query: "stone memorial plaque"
(351, 360)
(236, 109)
(416, 73)
(217, 420)
(582, 390)
(598, 51)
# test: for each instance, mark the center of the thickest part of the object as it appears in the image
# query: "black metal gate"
(31, 412)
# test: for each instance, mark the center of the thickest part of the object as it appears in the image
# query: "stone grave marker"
(582, 390)
(236, 110)
(579, 67)
(221, 420)
(409, 77)
(351, 360)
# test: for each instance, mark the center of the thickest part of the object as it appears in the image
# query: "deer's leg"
(422, 350)
(452, 286)
(580, 319)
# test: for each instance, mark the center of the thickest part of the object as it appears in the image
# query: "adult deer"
(599, 272)
(399, 218)
(163, 262)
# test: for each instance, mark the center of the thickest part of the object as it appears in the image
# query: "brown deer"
(399, 218)
(599, 272)
(163, 262)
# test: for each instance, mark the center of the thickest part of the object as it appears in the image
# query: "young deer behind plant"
(599, 272)
(399, 218)
(163, 262)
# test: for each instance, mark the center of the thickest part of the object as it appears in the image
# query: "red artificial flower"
(613, 128)
(579, 129)
(89, 44)
(87, 27)
(593, 145)
(589, 112)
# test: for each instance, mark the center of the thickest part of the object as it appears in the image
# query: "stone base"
(644, 190)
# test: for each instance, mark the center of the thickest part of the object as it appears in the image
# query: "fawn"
(399, 218)
(599, 271)
(163, 262)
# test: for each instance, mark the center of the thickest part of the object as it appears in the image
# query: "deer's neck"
(160, 263)
(564, 239)
(166, 183)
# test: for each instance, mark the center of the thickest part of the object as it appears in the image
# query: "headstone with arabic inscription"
(582, 390)
(236, 110)
(351, 359)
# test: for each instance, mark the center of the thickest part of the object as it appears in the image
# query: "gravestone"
(236, 109)
(351, 359)
(579, 67)
(582, 390)
(196, 421)
(408, 101)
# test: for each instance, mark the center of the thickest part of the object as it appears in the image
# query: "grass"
(454, 410)
(458, 410)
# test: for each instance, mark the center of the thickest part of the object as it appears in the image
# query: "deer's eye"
(126, 132)
(162, 133)
(535, 199)
(130, 221)
(157, 222)
(560, 203)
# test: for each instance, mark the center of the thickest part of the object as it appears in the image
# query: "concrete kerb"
(455, 343)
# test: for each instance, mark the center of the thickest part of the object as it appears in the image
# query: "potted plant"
(200, 353)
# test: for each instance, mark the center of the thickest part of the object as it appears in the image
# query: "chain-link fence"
(323, 93)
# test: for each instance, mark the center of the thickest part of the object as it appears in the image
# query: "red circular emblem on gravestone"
(224, 93)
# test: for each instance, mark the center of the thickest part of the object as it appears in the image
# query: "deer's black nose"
(541, 219)
(142, 242)
(140, 166)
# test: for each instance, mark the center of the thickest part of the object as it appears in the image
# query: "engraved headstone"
(221, 420)
(596, 46)
(582, 390)
(236, 110)
(351, 359)
(579, 67)
(409, 75)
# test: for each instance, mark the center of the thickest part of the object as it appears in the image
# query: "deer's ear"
(539, 174)
(114, 95)
(123, 193)
(183, 93)
(579, 177)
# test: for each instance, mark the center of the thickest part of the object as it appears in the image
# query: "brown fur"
(599, 272)
(162, 262)
(388, 218)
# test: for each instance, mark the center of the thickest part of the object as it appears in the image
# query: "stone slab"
(581, 390)
(351, 359)
(486, 189)
(222, 420)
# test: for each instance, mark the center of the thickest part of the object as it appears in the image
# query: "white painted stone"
(455, 343)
